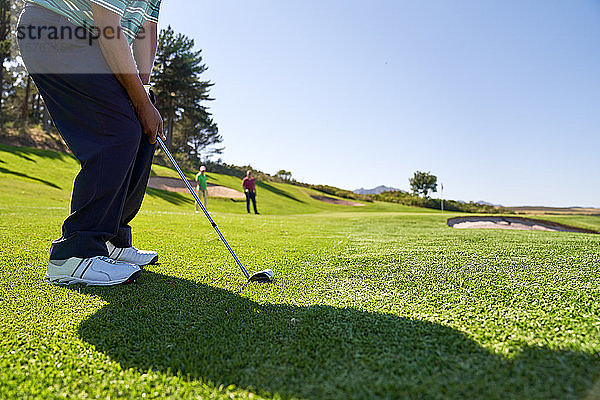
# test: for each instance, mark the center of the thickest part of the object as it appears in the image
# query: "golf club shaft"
(193, 192)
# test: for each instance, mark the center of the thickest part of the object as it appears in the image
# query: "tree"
(423, 183)
(4, 42)
(7, 20)
(12, 72)
(181, 95)
(284, 175)
(194, 137)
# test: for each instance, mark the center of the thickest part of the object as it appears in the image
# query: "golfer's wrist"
(141, 101)
(140, 97)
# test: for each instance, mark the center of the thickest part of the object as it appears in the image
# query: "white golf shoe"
(132, 255)
(94, 271)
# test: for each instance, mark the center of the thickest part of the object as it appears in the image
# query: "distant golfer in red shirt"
(250, 191)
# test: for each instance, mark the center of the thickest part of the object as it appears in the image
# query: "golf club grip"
(193, 192)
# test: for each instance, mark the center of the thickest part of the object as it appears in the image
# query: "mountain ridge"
(378, 190)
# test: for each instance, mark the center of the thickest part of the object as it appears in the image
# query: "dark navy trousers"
(250, 196)
(95, 117)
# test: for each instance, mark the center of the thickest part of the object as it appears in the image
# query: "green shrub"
(408, 199)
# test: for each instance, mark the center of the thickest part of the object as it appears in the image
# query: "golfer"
(90, 60)
(201, 187)
(250, 190)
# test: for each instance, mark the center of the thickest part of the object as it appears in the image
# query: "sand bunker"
(517, 223)
(177, 185)
(331, 200)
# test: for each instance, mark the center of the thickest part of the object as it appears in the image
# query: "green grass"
(582, 221)
(368, 303)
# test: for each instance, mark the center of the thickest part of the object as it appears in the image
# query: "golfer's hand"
(152, 123)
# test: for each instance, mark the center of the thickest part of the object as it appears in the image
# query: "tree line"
(182, 94)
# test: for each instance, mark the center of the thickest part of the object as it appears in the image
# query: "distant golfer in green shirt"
(201, 187)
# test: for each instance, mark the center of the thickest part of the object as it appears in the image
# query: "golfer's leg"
(136, 190)
(198, 191)
(254, 202)
(204, 197)
(105, 142)
(93, 114)
(248, 202)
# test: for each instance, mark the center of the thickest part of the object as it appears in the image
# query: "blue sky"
(500, 100)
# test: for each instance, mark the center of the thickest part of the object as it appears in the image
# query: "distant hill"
(377, 190)
(489, 204)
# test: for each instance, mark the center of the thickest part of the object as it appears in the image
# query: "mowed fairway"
(381, 301)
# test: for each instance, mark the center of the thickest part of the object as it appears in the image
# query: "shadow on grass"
(171, 197)
(277, 191)
(27, 152)
(204, 333)
(19, 174)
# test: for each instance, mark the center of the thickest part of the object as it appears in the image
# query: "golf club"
(263, 276)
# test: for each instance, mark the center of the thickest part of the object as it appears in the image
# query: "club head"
(265, 276)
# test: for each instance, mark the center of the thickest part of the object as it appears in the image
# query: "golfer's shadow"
(180, 327)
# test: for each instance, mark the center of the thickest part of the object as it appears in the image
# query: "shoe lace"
(108, 260)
